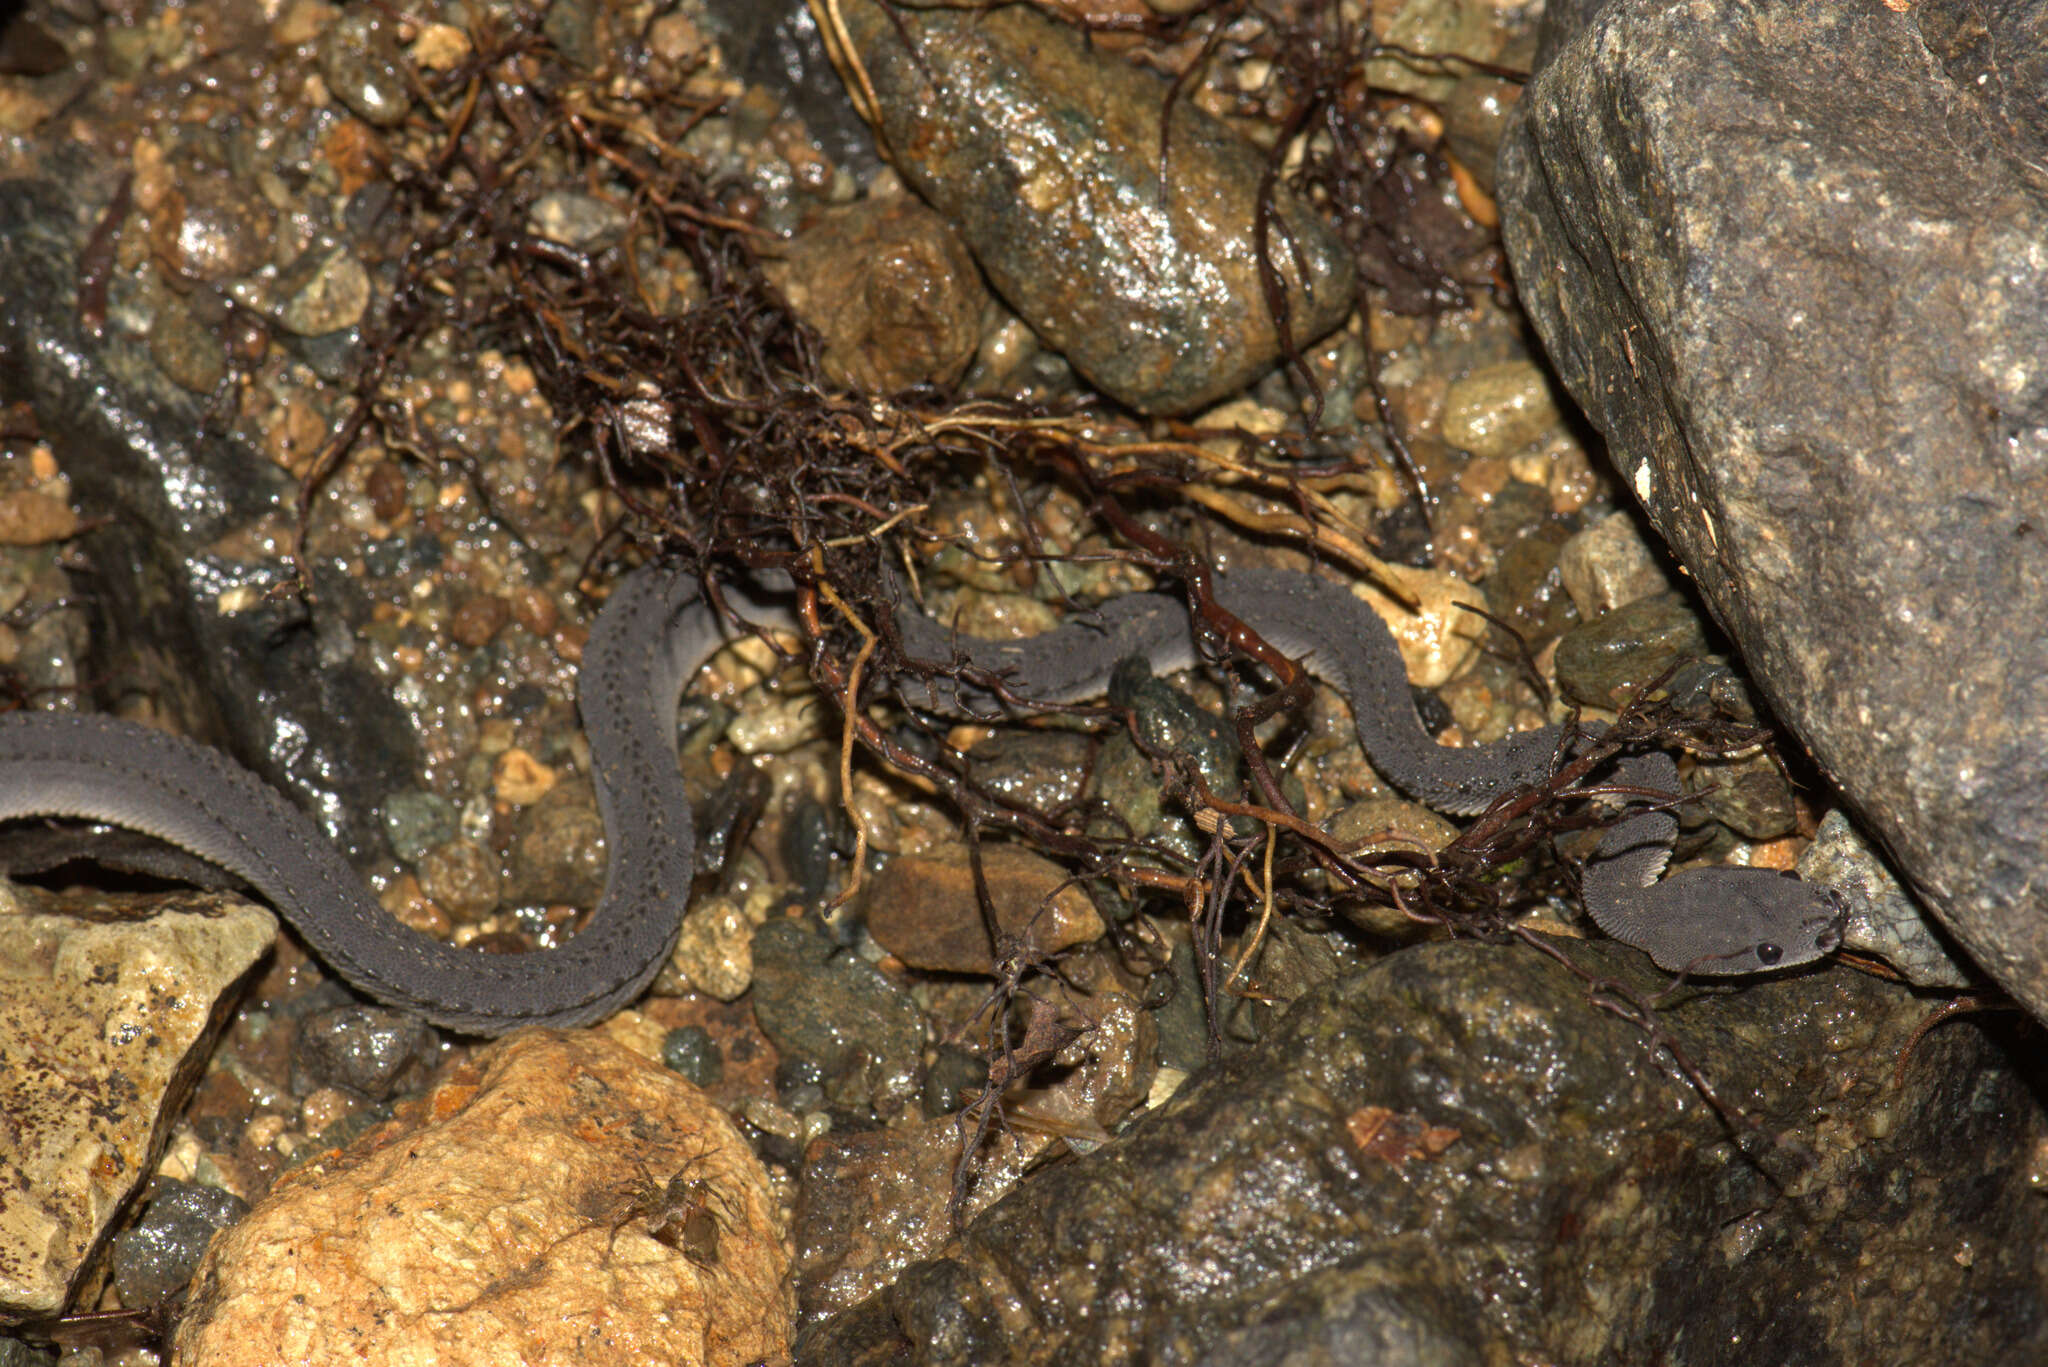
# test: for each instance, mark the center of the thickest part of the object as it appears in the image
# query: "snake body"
(654, 633)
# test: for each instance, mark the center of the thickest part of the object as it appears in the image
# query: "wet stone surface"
(156, 1257)
(1044, 155)
(1841, 433)
(819, 1003)
(1579, 1203)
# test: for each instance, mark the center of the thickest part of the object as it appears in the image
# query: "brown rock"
(922, 908)
(559, 1199)
(479, 619)
(891, 289)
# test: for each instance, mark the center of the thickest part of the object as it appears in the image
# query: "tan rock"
(100, 1022)
(558, 1200)
(29, 517)
(1438, 638)
(922, 908)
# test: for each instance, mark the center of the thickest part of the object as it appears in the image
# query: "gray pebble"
(690, 1050)
(415, 821)
(367, 1049)
(154, 1260)
(360, 62)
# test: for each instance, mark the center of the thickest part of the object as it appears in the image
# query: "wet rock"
(462, 878)
(1169, 722)
(190, 353)
(1603, 662)
(891, 289)
(1839, 425)
(953, 1079)
(102, 1024)
(715, 952)
(1042, 770)
(776, 47)
(1580, 1203)
(1750, 796)
(360, 62)
(267, 680)
(1883, 917)
(924, 908)
(815, 1002)
(479, 619)
(558, 856)
(1400, 833)
(156, 1258)
(1045, 154)
(1526, 587)
(875, 1202)
(323, 292)
(1609, 565)
(415, 821)
(211, 228)
(1497, 410)
(560, 1198)
(369, 1050)
(690, 1050)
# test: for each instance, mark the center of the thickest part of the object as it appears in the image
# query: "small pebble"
(31, 518)
(582, 222)
(690, 1051)
(479, 619)
(359, 60)
(462, 877)
(415, 821)
(520, 779)
(369, 1050)
(1497, 410)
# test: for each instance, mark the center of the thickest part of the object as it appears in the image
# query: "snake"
(658, 627)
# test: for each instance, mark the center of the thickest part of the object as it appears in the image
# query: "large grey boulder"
(1794, 263)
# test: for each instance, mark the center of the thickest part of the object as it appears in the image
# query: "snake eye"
(1768, 954)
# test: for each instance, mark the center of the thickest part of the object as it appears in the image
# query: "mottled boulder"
(1790, 263)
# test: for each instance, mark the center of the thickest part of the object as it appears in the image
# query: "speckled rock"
(155, 1258)
(1045, 155)
(1458, 1151)
(559, 1199)
(1496, 410)
(1789, 262)
(103, 1023)
(874, 1203)
(1603, 662)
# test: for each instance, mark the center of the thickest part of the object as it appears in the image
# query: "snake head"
(1742, 921)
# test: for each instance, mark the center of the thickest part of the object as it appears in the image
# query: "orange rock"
(560, 1199)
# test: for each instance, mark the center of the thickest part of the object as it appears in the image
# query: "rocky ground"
(350, 356)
